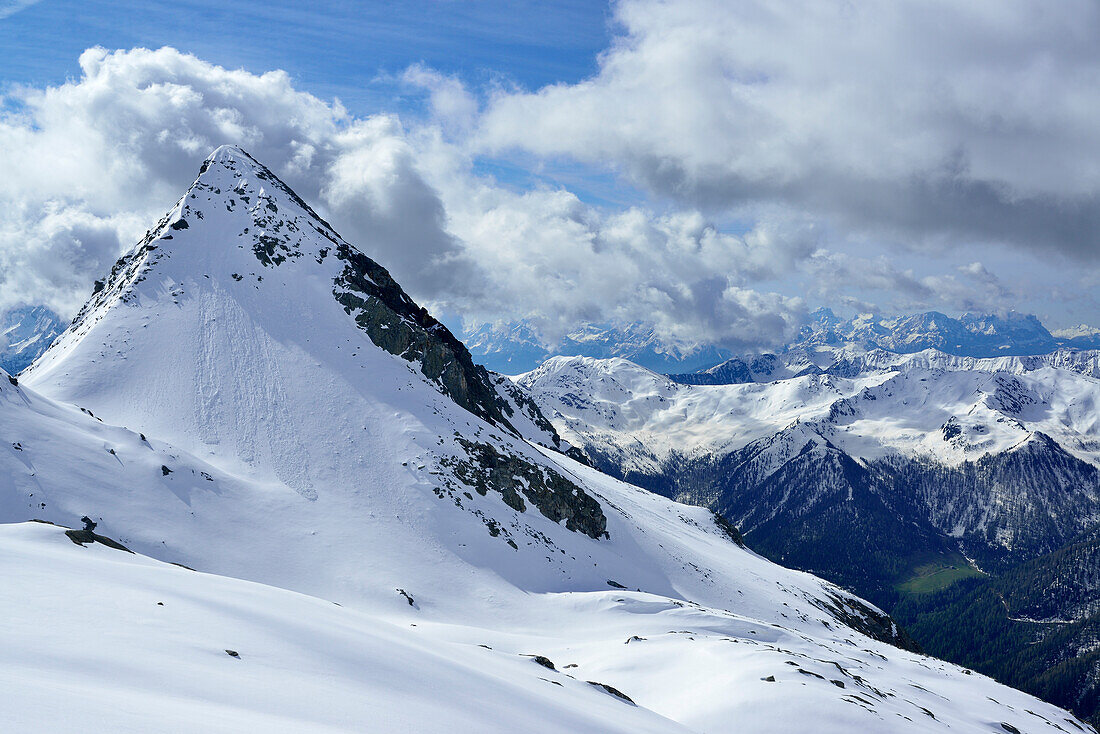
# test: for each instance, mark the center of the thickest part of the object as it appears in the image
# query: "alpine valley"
(306, 509)
(960, 493)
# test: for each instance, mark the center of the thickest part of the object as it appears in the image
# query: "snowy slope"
(715, 619)
(293, 419)
(136, 645)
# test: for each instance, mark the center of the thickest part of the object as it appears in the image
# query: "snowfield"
(137, 645)
(378, 556)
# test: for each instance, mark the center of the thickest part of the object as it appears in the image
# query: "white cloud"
(560, 262)
(451, 103)
(930, 122)
(100, 157)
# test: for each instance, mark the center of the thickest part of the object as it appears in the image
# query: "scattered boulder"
(613, 691)
(87, 535)
(543, 661)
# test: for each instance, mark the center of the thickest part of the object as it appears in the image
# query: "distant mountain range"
(25, 333)
(970, 335)
(514, 348)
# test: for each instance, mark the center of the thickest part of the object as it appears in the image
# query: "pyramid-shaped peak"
(239, 260)
(231, 156)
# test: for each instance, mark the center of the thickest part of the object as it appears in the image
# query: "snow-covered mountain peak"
(241, 258)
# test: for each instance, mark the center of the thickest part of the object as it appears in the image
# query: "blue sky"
(351, 51)
(717, 169)
(334, 49)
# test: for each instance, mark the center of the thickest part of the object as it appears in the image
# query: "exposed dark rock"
(613, 691)
(514, 478)
(543, 661)
(951, 429)
(394, 322)
(233, 654)
(83, 537)
(866, 619)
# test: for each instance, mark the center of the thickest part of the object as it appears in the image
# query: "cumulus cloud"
(100, 157)
(924, 122)
(564, 263)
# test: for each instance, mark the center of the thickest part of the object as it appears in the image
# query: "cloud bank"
(841, 138)
(101, 156)
(922, 122)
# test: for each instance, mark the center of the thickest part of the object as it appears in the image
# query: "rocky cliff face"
(398, 325)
